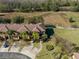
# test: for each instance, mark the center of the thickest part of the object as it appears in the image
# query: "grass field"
(73, 15)
(70, 35)
(45, 54)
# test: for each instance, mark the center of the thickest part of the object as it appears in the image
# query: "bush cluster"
(49, 47)
(21, 19)
(71, 20)
(3, 20)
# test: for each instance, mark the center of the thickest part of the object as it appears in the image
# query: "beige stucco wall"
(73, 57)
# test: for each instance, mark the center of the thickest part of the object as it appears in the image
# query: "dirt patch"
(57, 19)
(49, 17)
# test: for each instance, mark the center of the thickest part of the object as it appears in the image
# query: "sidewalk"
(29, 50)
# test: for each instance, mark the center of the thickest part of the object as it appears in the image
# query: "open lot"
(73, 15)
(49, 17)
(55, 18)
(70, 35)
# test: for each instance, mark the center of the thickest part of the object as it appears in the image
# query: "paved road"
(12, 55)
(68, 28)
(30, 51)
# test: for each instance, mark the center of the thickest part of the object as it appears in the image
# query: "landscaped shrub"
(5, 20)
(76, 8)
(35, 36)
(18, 19)
(1, 20)
(2, 7)
(44, 37)
(76, 49)
(25, 7)
(73, 3)
(49, 31)
(24, 36)
(10, 33)
(65, 57)
(49, 47)
(36, 19)
(21, 19)
(71, 20)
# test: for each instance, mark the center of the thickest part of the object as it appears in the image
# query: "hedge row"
(20, 19)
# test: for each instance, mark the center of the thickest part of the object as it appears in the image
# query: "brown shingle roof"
(40, 28)
(30, 26)
(35, 30)
(21, 27)
(3, 28)
(13, 26)
(34, 27)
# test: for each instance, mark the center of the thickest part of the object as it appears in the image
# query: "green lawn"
(45, 54)
(74, 15)
(70, 35)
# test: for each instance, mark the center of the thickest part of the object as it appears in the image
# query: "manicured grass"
(36, 44)
(70, 35)
(44, 53)
(75, 16)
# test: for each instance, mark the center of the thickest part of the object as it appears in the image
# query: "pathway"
(29, 50)
(68, 28)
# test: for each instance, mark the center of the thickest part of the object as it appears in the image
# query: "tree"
(18, 19)
(35, 36)
(2, 7)
(36, 19)
(44, 6)
(36, 7)
(49, 31)
(76, 8)
(26, 7)
(65, 57)
(24, 35)
(76, 49)
(3, 20)
(71, 20)
(10, 32)
(52, 6)
(44, 37)
(49, 47)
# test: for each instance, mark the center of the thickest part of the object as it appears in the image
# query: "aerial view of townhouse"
(39, 29)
